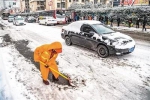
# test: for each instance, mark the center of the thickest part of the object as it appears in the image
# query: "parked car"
(47, 20)
(98, 37)
(18, 20)
(31, 19)
(61, 19)
(10, 18)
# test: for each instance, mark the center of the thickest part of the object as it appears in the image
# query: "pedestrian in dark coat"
(137, 22)
(129, 22)
(111, 21)
(118, 21)
(144, 23)
(106, 20)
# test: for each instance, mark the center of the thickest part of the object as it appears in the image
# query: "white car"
(18, 20)
(98, 37)
(61, 19)
(47, 20)
(10, 18)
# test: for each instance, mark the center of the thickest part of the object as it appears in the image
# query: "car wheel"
(68, 41)
(102, 51)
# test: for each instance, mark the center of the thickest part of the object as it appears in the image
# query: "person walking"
(137, 22)
(144, 23)
(129, 22)
(118, 21)
(106, 20)
(111, 21)
(46, 55)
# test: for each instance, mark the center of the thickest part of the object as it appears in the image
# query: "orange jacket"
(44, 49)
(43, 54)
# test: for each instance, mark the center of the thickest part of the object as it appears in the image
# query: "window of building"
(69, 0)
(82, 0)
(58, 5)
(63, 5)
(14, 3)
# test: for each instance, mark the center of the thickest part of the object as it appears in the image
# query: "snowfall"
(124, 77)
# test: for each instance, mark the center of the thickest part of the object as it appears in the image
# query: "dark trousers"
(137, 25)
(144, 27)
(111, 24)
(118, 23)
(129, 25)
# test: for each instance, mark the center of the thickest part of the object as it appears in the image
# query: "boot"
(45, 82)
(54, 79)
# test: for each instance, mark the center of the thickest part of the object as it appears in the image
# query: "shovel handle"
(56, 71)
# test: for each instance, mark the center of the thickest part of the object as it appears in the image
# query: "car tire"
(46, 24)
(68, 41)
(102, 51)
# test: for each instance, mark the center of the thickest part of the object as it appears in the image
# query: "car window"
(101, 29)
(87, 29)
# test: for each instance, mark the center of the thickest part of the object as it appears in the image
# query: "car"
(31, 19)
(61, 19)
(47, 20)
(10, 18)
(18, 20)
(98, 37)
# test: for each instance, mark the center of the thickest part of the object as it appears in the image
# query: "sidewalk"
(132, 29)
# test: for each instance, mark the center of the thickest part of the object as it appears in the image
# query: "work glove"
(57, 62)
(46, 66)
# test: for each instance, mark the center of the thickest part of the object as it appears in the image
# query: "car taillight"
(62, 30)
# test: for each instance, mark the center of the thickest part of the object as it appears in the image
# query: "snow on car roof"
(75, 26)
(89, 22)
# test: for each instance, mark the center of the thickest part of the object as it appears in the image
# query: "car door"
(88, 41)
(76, 36)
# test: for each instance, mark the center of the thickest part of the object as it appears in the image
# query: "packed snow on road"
(124, 77)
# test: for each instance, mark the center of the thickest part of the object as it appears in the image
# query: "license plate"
(131, 49)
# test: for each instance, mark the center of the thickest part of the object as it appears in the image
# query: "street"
(124, 77)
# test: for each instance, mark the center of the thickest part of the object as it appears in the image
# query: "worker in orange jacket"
(46, 56)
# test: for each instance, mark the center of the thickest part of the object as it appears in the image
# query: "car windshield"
(60, 16)
(11, 16)
(19, 18)
(101, 29)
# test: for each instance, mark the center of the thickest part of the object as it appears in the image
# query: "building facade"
(37, 5)
(24, 6)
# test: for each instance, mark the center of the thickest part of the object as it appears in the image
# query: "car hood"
(20, 21)
(117, 36)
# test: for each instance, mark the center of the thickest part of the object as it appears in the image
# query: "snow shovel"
(69, 82)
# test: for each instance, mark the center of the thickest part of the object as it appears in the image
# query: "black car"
(96, 36)
(30, 19)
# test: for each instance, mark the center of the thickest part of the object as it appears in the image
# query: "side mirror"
(91, 33)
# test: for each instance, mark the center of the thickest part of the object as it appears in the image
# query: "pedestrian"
(144, 23)
(137, 22)
(102, 19)
(129, 22)
(111, 21)
(106, 20)
(46, 56)
(118, 21)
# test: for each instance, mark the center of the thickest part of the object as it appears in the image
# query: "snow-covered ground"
(114, 78)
